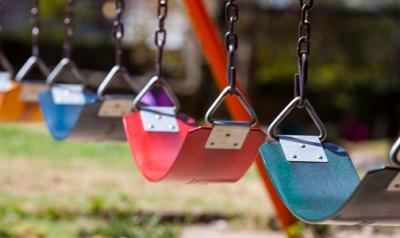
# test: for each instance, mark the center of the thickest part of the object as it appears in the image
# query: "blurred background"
(50, 189)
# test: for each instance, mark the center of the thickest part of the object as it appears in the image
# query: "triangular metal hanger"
(155, 82)
(118, 81)
(32, 63)
(214, 107)
(64, 66)
(289, 108)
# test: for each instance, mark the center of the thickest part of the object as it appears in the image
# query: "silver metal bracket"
(394, 186)
(115, 107)
(159, 119)
(303, 149)
(227, 137)
(5, 82)
(68, 94)
(30, 90)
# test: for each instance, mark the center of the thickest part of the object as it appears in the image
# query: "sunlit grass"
(33, 141)
(91, 189)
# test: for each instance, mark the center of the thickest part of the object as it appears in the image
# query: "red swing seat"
(184, 155)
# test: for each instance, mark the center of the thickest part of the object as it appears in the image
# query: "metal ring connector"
(217, 103)
(32, 62)
(117, 73)
(289, 108)
(61, 67)
(155, 81)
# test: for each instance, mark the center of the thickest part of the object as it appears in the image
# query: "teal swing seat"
(332, 193)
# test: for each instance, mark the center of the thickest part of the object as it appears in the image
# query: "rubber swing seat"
(81, 122)
(332, 193)
(72, 106)
(12, 109)
(182, 156)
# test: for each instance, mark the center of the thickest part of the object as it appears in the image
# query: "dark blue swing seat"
(330, 192)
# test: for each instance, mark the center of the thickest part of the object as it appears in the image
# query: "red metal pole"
(214, 51)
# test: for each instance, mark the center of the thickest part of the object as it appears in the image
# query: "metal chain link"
(118, 28)
(1, 24)
(35, 21)
(161, 34)
(231, 43)
(303, 50)
(69, 30)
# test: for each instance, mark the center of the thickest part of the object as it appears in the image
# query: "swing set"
(306, 178)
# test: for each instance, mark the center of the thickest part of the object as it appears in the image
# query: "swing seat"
(80, 121)
(167, 146)
(18, 99)
(72, 120)
(182, 155)
(331, 192)
(73, 110)
(12, 109)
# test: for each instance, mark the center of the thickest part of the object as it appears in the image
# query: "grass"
(83, 189)
(17, 222)
(33, 142)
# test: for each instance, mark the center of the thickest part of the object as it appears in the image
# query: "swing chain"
(35, 21)
(161, 34)
(1, 24)
(118, 30)
(303, 51)
(69, 30)
(231, 43)
(300, 100)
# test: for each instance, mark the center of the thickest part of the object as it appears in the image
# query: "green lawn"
(81, 189)
(75, 189)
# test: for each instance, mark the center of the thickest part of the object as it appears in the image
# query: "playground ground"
(52, 189)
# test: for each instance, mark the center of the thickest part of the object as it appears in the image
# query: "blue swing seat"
(74, 121)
